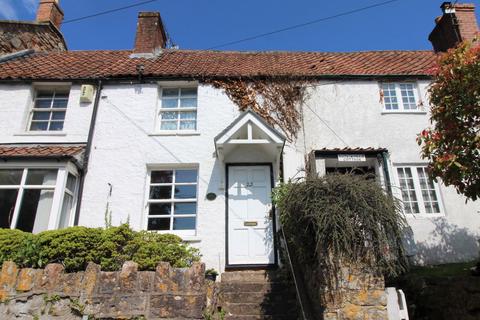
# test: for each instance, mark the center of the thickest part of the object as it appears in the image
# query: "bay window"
(31, 197)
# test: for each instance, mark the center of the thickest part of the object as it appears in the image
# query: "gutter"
(386, 173)
(88, 149)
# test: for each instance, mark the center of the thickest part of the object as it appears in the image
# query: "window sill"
(175, 133)
(191, 238)
(55, 134)
(404, 112)
(424, 216)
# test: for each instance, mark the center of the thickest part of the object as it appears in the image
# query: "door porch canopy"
(249, 135)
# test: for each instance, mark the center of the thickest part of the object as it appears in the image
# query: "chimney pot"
(50, 11)
(151, 36)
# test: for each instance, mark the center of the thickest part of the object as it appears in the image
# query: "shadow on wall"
(447, 243)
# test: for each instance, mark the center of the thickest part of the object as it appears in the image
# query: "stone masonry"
(360, 295)
(50, 293)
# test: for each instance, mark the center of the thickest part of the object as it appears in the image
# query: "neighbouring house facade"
(141, 136)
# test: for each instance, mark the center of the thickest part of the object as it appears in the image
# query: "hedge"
(75, 247)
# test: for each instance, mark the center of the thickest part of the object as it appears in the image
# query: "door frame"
(274, 215)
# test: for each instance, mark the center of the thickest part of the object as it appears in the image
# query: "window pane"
(169, 115)
(158, 224)
(169, 103)
(59, 115)
(187, 125)
(189, 92)
(159, 209)
(39, 126)
(7, 206)
(185, 192)
(185, 208)
(170, 92)
(188, 102)
(168, 125)
(35, 210)
(60, 103)
(160, 192)
(43, 103)
(188, 115)
(163, 176)
(44, 94)
(184, 223)
(71, 182)
(56, 126)
(9, 177)
(66, 213)
(182, 175)
(62, 94)
(41, 177)
(39, 115)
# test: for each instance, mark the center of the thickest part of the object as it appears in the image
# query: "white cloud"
(7, 11)
(30, 5)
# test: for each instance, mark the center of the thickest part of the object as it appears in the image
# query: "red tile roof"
(191, 63)
(51, 151)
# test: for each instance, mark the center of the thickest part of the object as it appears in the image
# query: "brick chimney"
(458, 23)
(50, 11)
(151, 36)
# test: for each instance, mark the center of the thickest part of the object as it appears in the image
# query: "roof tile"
(198, 63)
(53, 151)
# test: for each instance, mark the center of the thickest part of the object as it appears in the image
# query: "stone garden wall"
(50, 293)
(360, 295)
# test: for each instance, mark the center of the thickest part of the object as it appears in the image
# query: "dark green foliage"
(343, 218)
(75, 247)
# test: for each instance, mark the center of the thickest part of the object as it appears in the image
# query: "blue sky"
(196, 24)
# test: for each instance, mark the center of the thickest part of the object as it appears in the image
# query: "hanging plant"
(276, 101)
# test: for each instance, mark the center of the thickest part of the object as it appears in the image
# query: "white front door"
(250, 224)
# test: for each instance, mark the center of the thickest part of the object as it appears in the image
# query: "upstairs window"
(172, 200)
(178, 109)
(400, 96)
(419, 192)
(49, 108)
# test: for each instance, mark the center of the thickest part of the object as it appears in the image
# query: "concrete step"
(259, 309)
(261, 287)
(258, 297)
(254, 276)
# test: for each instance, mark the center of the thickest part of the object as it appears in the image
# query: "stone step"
(258, 297)
(259, 309)
(246, 287)
(262, 317)
(254, 276)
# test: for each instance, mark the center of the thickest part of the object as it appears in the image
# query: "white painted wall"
(124, 145)
(15, 104)
(352, 109)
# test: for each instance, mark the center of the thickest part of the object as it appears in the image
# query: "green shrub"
(343, 218)
(148, 248)
(18, 246)
(75, 247)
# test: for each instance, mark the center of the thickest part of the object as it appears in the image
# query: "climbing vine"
(276, 101)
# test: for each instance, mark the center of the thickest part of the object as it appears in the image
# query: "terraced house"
(145, 136)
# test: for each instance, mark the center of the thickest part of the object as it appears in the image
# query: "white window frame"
(398, 94)
(32, 109)
(158, 122)
(418, 191)
(58, 188)
(181, 233)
